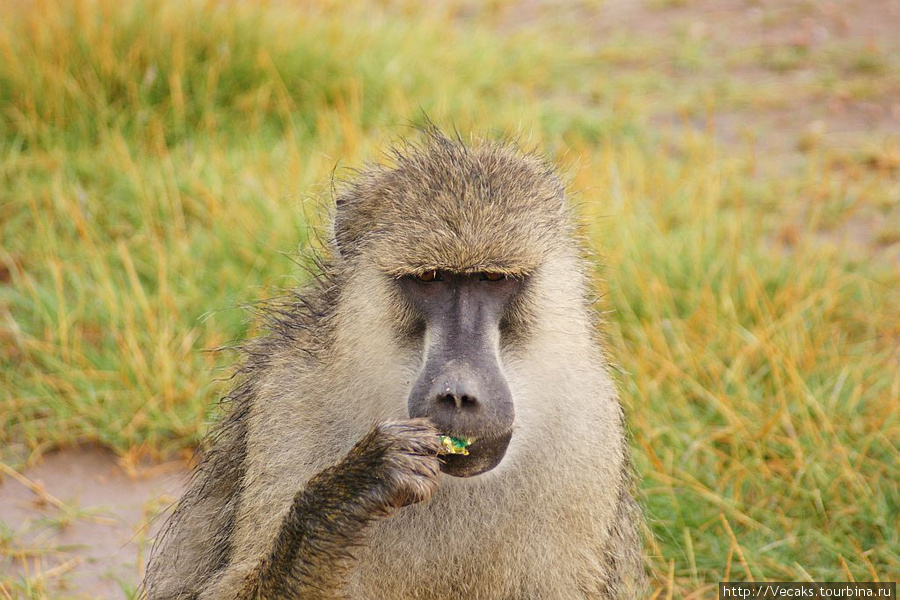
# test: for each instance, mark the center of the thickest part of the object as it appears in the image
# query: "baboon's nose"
(460, 401)
(455, 393)
(466, 397)
(457, 400)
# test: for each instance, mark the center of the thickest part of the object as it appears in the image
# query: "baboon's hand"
(404, 454)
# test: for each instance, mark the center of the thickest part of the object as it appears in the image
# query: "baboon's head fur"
(432, 207)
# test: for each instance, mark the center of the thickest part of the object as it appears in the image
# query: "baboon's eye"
(492, 276)
(429, 276)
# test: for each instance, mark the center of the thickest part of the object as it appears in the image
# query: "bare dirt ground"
(83, 521)
(791, 80)
(769, 45)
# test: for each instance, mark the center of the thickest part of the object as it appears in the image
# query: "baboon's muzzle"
(462, 388)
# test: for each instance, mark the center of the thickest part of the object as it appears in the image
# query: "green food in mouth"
(455, 445)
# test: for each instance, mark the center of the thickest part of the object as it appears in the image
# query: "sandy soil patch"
(80, 525)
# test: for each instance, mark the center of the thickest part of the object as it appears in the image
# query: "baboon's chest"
(436, 561)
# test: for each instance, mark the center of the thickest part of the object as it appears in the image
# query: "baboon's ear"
(345, 237)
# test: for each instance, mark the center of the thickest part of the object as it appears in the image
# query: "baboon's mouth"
(485, 453)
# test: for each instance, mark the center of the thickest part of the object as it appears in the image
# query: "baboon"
(454, 301)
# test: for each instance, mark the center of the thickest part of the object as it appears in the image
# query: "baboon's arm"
(394, 465)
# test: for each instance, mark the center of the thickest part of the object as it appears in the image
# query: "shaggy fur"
(554, 520)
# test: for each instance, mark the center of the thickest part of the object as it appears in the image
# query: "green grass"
(153, 183)
(762, 384)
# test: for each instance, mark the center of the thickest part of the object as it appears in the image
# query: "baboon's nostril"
(458, 400)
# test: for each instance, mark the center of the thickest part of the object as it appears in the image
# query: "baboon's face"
(462, 388)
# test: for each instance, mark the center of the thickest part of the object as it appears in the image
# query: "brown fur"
(554, 520)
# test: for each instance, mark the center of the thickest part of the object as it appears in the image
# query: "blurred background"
(736, 164)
